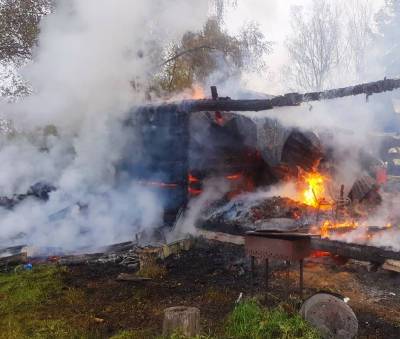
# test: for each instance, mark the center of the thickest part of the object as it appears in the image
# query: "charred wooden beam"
(354, 251)
(290, 99)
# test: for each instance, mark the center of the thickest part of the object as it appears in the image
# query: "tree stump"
(181, 319)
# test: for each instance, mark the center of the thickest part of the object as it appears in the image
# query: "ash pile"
(246, 213)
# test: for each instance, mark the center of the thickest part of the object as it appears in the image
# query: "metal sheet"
(281, 248)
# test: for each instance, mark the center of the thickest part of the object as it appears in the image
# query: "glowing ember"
(193, 191)
(192, 178)
(219, 119)
(234, 176)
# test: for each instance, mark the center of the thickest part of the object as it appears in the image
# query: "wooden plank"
(221, 237)
(392, 265)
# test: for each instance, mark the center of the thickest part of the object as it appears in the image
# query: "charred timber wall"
(159, 155)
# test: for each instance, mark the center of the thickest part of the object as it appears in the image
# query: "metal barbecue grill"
(278, 246)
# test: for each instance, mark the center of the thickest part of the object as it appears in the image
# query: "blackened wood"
(355, 251)
(290, 99)
(214, 92)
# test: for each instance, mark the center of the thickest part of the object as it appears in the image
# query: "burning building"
(183, 144)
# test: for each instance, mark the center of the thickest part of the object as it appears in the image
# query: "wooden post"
(183, 320)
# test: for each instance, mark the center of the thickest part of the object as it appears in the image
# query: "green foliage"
(249, 321)
(200, 54)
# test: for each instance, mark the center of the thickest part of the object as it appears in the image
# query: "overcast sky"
(273, 17)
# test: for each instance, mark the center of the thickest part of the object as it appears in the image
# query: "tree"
(359, 36)
(314, 46)
(329, 44)
(19, 27)
(198, 55)
(19, 30)
(388, 37)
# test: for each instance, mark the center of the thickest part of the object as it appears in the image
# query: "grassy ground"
(39, 304)
(23, 297)
(248, 320)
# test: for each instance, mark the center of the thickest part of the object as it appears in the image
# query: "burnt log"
(290, 99)
(360, 252)
(302, 149)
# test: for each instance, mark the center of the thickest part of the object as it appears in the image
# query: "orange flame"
(197, 92)
(315, 189)
(330, 225)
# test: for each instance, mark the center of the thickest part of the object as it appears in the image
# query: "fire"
(330, 225)
(192, 178)
(234, 176)
(197, 92)
(314, 193)
(194, 181)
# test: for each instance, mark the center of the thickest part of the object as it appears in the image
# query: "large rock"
(331, 316)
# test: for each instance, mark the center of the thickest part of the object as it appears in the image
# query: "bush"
(250, 321)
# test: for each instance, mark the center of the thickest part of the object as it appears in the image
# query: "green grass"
(22, 297)
(29, 288)
(250, 321)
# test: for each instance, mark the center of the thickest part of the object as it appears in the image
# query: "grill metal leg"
(266, 277)
(252, 273)
(301, 278)
(287, 278)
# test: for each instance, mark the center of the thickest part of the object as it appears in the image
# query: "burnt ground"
(211, 276)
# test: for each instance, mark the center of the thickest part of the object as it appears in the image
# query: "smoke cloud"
(92, 62)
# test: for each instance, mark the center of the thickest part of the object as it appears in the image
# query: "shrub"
(249, 320)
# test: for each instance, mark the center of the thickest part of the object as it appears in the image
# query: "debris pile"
(243, 214)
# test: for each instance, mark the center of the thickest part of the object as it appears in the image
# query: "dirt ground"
(211, 276)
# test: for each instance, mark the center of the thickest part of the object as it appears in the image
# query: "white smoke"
(90, 57)
(214, 189)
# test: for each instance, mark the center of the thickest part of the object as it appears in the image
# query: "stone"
(331, 316)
